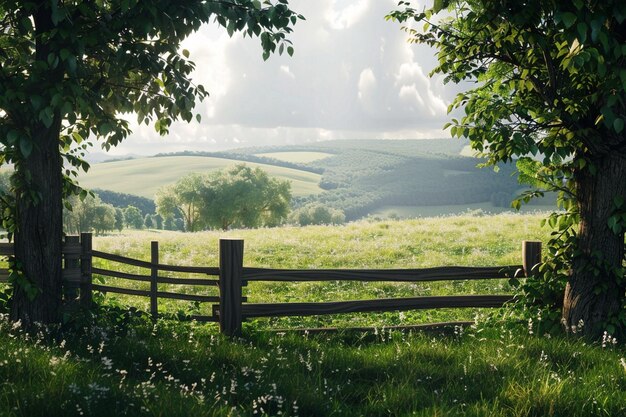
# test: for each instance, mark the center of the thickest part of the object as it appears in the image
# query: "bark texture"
(38, 238)
(593, 295)
(38, 241)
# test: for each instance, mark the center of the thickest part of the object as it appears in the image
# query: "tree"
(181, 199)
(239, 196)
(68, 70)
(133, 217)
(158, 220)
(147, 221)
(550, 83)
(245, 197)
(104, 218)
(119, 219)
(315, 213)
(169, 223)
(88, 213)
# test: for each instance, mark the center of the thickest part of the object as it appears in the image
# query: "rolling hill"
(144, 176)
(359, 177)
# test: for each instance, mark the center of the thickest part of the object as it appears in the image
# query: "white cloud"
(353, 75)
(367, 89)
(343, 14)
(285, 70)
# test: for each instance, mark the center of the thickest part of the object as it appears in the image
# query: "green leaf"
(568, 19)
(618, 125)
(13, 136)
(581, 27)
(185, 53)
(26, 147)
(77, 137)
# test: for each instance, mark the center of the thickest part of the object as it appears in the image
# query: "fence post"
(231, 271)
(154, 275)
(85, 270)
(531, 255)
(71, 269)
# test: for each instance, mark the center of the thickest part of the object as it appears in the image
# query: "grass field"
(296, 157)
(463, 240)
(143, 177)
(121, 366)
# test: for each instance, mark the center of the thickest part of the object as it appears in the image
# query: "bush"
(316, 213)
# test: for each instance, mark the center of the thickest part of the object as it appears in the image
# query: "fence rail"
(230, 308)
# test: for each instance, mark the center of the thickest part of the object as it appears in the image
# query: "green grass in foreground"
(172, 369)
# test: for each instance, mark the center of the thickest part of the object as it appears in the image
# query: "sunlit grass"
(463, 240)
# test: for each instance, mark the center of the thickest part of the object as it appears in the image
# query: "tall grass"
(463, 240)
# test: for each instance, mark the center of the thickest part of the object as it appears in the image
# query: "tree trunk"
(593, 294)
(38, 240)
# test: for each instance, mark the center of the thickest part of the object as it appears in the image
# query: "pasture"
(121, 363)
(144, 176)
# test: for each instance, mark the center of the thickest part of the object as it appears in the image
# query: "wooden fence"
(230, 309)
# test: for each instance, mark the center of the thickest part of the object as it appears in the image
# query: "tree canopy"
(550, 84)
(69, 70)
(240, 196)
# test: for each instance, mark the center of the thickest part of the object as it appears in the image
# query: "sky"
(353, 76)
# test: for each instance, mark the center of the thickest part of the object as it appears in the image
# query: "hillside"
(144, 176)
(360, 177)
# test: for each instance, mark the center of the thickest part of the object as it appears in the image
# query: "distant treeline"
(121, 200)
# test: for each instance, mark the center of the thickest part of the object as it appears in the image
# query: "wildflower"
(107, 363)
(607, 339)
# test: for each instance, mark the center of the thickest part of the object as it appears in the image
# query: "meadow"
(467, 240)
(121, 363)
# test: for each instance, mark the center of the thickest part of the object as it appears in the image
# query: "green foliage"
(316, 213)
(70, 70)
(65, 64)
(128, 176)
(240, 196)
(88, 213)
(182, 199)
(133, 217)
(550, 83)
(119, 219)
(243, 197)
(148, 222)
(123, 200)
